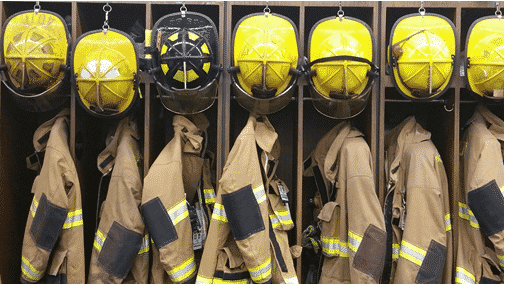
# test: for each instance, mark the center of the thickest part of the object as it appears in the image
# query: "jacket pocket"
(231, 267)
(57, 272)
(331, 244)
(281, 216)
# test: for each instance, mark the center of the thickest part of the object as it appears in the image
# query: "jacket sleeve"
(366, 226)
(423, 247)
(165, 212)
(46, 218)
(484, 193)
(120, 237)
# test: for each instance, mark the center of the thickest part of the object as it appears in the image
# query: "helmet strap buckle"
(422, 11)
(340, 12)
(266, 10)
(36, 8)
(107, 9)
(183, 10)
(498, 11)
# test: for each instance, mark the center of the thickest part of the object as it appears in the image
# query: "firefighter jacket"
(479, 257)
(172, 191)
(121, 246)
(247, 237)
(54, 240)
(353, 234)
(417, 208)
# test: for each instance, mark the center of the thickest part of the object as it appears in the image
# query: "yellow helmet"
(265, 58)
(34, 52)
(105, 71)
(340, 71)
(484, 54)
(185, 61)
(421, 53)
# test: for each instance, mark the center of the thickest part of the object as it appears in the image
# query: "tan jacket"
(353, 235)
(53, 241)
(479, 256)
(417, 207)
(247, 237)
(170, 186)
(121, 247)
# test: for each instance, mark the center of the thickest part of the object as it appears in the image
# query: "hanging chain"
(422, 11)
(266, 10)
(340, 12)
(183, 9)
(107, 9)
(498, 11)
(36, 8)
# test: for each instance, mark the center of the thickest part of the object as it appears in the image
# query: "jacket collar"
(106, 159)
(484, 115)
(408, 132)
(260, 127)
(191, 129)
(41, 136)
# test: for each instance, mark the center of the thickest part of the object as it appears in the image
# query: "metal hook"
(445, 106)
(183, 9)
(340, 12)
(36, 8)
(266, 10)
(422, 11)
(107, 9)
(498, 11)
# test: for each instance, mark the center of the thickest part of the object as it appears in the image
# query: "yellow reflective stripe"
(467, 214)
(219, 213)
(262, 271)
(178, 212)
(447, 221)
(333, 246)
(29, 270)
(99, 240)
(259, 193)
(438, 158)
(33, 207)
(502, 189)
(218, 280)
(145, 245)
(183, 271)
(281, 218)
(200, 279)
(396, 251)
(291, 280)
(74, 219)
(412, 253)
(210, 196)
(354, 240)
(463, 276)
(208, 191)
(500, 257)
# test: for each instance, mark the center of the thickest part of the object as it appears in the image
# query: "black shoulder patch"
(243, 213)
(47, 223)
(433, 264)
(371, 253)
(158, 222)
(486, 203)
(119, 250)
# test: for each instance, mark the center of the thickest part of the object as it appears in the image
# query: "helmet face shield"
(421, 54)
(265, 57)
(34, 51)
(340, 71)
(484, 57)
(186, 71)
(105, 71)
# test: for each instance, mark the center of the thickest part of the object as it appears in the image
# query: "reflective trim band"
(438, 158)
(332, 246)
(33, 207)
(500, 257)
(203, 280)
(292, 280)
(466, 213)
(218, 280)
(502, 189)
(210, 196)
(281, 218)
(145, 245)
(447, 220)
(218, 213)
(396, 251)
(354, 240)
(463, 276)
(29, 271)
(74, 219)
(178, 212)
(259, 194)
(412, 253)
(262, 271)
(99, 239)
(183, 271)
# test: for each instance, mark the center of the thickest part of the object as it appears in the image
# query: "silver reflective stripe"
(396, 252)
(275, 221)
(74, 218)
(292, 280)
(463, 278)
(334, 247)
(174, 214)
(412, 253)
(470, 216)
(179, 275)
(261, 271)
(145, 242)
(209, 196)
(259, 194)
(354, 242)
(219, 213)
(30, 271)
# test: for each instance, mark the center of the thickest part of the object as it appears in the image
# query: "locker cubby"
(299, 125)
